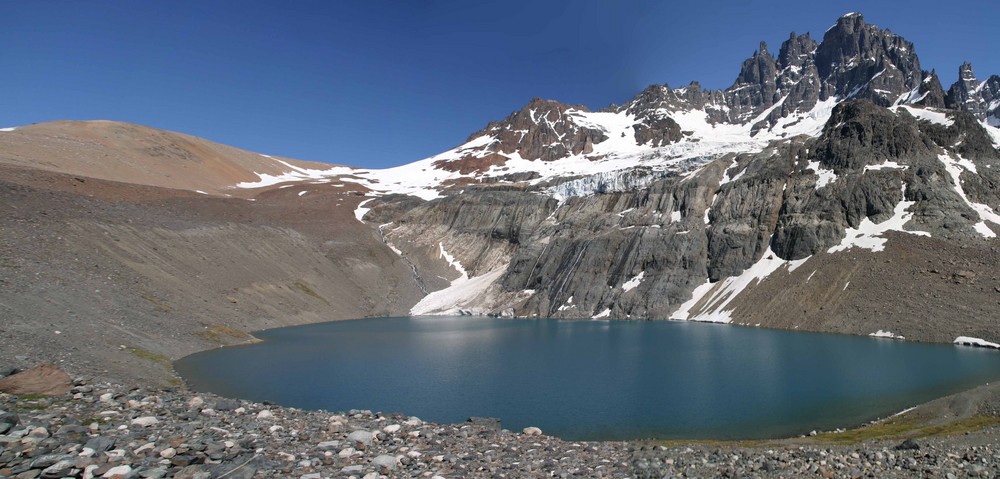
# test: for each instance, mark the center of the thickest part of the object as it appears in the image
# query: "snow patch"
(885, 334)
(868, 235)
(634, 282)
(304, 192)
(294, 173)
(824, 176)
(603, 314)
(738, 176)
(361, 211)
(928, 114)
(454, 263)
(8, 129)
(569, 305)
(992, 126)
(456, 298)
(954, 167)
(970, 341)
(713, 298)
(885, 165)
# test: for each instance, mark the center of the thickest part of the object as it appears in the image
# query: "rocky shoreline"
(112, 431)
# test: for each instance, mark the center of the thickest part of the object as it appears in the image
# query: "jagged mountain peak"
(981, 98)
(860, 60)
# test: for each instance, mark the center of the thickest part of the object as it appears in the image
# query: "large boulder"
(46, 379)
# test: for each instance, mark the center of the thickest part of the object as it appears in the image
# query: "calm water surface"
(592, 379)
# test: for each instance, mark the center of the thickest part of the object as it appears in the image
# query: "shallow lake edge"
(917, 419)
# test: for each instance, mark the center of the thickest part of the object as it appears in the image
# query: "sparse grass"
(151, 356)
(905, 428)
(960, 426)
(160, 359)
(32, 402)
(90, 420)
(708, 442)
(888, 429)
(218, 332)
(891, 429)
(301, 286)
(159, 304)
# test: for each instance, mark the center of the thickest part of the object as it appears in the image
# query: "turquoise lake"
(592, 380)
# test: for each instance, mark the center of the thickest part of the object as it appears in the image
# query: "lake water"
(586, 380)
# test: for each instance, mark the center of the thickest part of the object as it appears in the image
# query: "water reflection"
(592, 379)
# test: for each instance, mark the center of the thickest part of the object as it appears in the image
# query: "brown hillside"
(137, 154)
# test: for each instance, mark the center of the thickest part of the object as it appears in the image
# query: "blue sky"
(381, 83)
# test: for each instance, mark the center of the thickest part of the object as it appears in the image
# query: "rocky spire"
(755, 86)
(931, 92)
(982, 99)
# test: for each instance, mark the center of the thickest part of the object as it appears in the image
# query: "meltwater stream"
(590, 380)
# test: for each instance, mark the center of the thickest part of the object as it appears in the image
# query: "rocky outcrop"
(931, 93)
(45, 379)
(982, 99)
(861, 61)
(539, 131)
(657, 131)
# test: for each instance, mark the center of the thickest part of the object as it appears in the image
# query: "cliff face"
(653, 244)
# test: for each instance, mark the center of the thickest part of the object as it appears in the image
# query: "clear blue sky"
(381, 83)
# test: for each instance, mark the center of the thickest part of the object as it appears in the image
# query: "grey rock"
(226, 405)
(7, 421)
(196, 471)
(931, 92)
(46, 461)
(59, 469)
(361, 436)
(385, 462)
(241, 467)
(154, 473)
(488, 423)
(100, 443)
(908, 445)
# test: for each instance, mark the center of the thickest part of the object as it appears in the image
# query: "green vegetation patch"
(301, 286)
(219, 333)
(160, 359)
(672, 443)
(32, 402)
(150, 356)
(901, 428)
